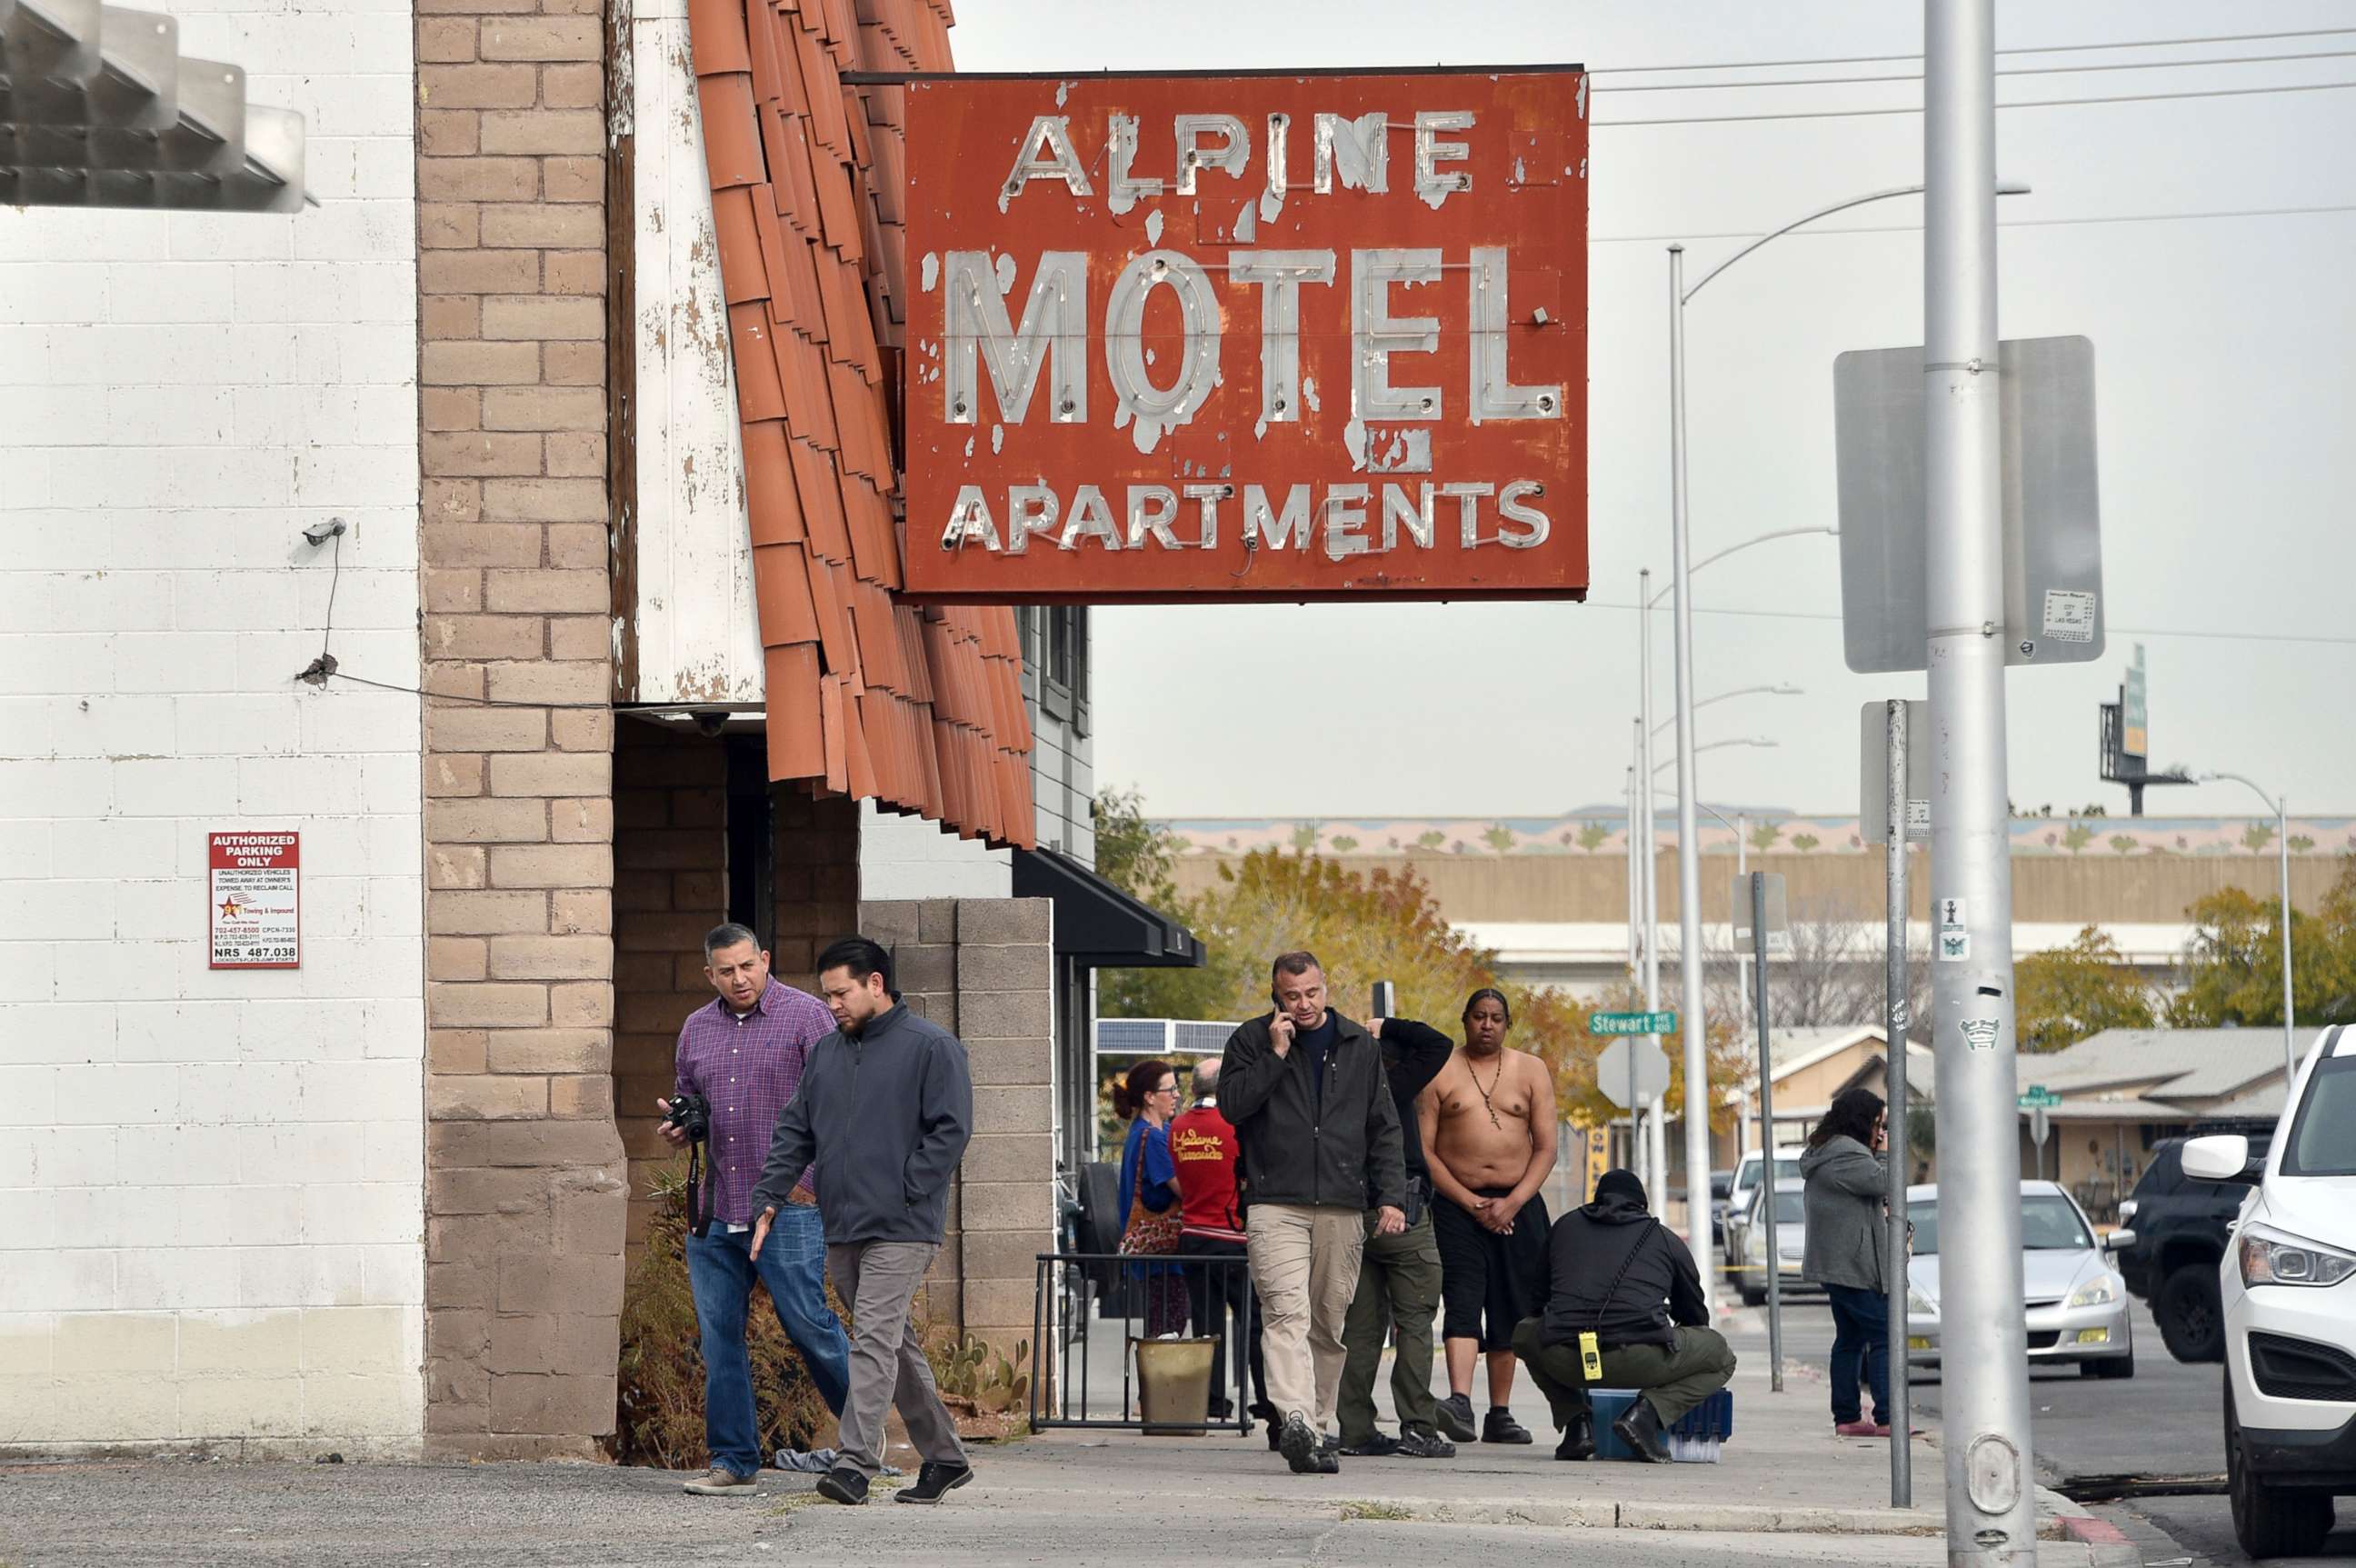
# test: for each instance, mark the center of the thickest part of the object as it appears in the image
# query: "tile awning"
(919, 708)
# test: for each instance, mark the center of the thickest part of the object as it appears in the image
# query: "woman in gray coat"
(1847, 1250)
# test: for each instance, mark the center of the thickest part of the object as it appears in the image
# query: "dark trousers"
(1215, 1294)
(1672, 1379)
(1398, 1283)
(1860, 1341)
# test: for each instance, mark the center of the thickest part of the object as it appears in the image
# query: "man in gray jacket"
(883, 1113)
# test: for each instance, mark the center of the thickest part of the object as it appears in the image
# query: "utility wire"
(2047, 50)
(2016, 71)
(1827, 231)
(2121, 630)
(2024, 103)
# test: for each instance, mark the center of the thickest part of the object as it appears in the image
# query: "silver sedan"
(2077, 1304)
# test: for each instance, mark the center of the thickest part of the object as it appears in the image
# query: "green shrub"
(660, 1388)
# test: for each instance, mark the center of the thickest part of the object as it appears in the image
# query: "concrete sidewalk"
(1787, 1490)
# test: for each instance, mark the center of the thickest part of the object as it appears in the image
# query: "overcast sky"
(2225, 352)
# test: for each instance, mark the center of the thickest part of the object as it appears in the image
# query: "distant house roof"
(2176, 1064)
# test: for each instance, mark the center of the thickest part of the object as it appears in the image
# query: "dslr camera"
(691, 1114)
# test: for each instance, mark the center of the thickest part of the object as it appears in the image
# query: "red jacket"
(1203, 1147)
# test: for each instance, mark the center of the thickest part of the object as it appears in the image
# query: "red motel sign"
(1295, 336)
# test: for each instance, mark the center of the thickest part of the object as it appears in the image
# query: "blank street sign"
(2052, 541)
(1873, 773)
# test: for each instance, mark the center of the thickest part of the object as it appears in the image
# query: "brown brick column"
(524, 1190)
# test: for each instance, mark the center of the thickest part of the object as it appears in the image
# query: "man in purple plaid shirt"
(745, 1055)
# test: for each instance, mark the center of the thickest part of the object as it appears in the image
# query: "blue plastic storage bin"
(1695, 1439)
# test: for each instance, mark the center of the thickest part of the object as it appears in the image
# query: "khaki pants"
(1398, 1282)
(1305, 1264)
(1673, 1379)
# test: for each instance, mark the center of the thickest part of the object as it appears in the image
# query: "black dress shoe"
(843, 1485)
(1639, 1429)
(1579, 1438)
(1500, 1426)
(933, 1478)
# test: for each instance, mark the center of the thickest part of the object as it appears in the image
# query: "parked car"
(1721, 1190)
(1745, 1242)
(2174, 1229)
(2077, 1304)
(2288, 1290)
(1741, 1197)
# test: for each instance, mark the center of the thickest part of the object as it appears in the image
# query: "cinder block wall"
(983, 968)
(525, 1197)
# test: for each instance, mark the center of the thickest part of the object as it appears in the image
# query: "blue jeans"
(1860, 1341)
(720, 1272)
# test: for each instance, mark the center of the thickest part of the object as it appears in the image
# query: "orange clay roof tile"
(918, 708)
(771, 498)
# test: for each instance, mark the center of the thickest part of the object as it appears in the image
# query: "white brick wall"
(211, 1183)
(908, 857)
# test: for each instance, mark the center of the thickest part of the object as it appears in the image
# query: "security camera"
(711, 723)
(320, 532)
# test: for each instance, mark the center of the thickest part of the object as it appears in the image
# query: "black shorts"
(1484, 1274)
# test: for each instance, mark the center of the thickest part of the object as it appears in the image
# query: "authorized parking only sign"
(1272, 335)
(255, 892)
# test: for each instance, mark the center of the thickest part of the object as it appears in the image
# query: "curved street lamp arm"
(2219, 776)
(1801, 223)
(2004, 187)
(1737, 549)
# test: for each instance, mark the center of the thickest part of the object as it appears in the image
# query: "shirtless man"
(1488, 1129)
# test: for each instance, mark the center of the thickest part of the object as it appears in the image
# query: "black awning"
(1098, 924)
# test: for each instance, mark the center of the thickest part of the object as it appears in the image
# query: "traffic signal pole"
(1990, 1501)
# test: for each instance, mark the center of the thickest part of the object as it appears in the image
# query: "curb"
(2107, 1544)
(1739, 1518)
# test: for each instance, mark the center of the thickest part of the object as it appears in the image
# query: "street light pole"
(1648, 1148)
(1991, 1500)
(2281, 803)
(1696, 1052)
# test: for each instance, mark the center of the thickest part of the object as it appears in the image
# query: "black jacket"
(1413, 1055)
(1617, 1239)
(885, 1115)
(1342, 1151)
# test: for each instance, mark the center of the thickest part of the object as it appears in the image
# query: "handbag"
(1148, 1234)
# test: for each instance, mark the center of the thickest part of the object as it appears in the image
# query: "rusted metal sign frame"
(1144, 368)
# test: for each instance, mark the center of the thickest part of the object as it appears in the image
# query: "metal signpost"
(1899, 782)
(1097, 420)
(1990, 1501)
(1763, 903)
(1633, 1072)
(2037, 1100)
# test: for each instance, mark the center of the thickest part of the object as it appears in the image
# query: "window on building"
(1063, 664)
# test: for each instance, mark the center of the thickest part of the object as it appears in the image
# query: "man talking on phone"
(1305, 1089)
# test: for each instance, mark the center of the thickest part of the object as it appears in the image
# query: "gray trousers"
(877, 1280)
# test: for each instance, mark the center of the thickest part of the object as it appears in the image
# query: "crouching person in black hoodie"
(1625, 1278)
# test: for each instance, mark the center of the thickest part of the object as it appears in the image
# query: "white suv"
(2288, 1285)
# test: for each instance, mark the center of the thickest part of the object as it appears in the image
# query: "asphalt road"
(2163, 1421)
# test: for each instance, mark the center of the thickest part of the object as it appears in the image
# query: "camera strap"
(699, 1203)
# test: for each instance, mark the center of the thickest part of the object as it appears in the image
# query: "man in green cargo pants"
(1398, 1276)
(1625, 1282)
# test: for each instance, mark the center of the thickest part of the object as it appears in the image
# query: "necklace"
(1496, 1079)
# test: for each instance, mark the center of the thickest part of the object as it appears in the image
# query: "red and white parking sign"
(256, 895)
